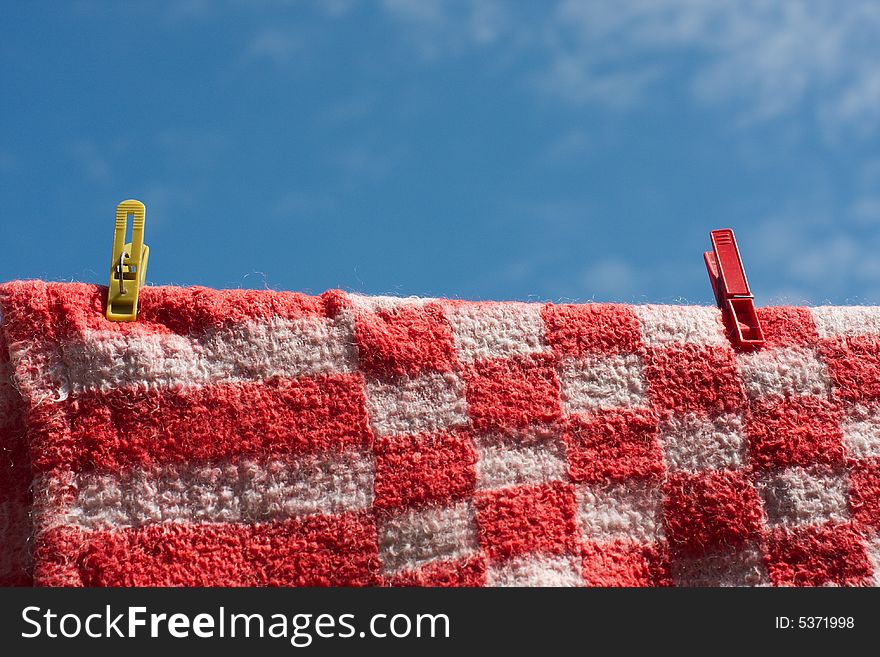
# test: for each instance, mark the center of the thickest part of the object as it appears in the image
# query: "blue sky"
(483, 150)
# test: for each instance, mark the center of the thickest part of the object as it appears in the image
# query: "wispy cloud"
(815, 258)
(436, 28)
(760, 60)
(604, 279)
(8, 163)
(91, 160)
(303, 204)
(349, 109)
(337, 8)
(195, 150)
(766, 60)
(867, 210)
(611, 278)
(366, 160)
(184, 10)
(573, 143)
(168, 202)
(277, 45)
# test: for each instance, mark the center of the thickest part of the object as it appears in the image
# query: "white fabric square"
(861, 434)
(496, 330)
(695, 442)
(786, 372)
(249, 490)
(664, 325)
(536, 570)
(602, 381)
(534, 458)
(380, 303)
(629, 510)
(104, 359)
(413, 405)
(283, 347)
(249, 351)
(800, 496)
(834, 321)
(421, 536)
(328, 483)
(741, 566)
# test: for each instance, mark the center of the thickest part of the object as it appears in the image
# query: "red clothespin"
(732, 290)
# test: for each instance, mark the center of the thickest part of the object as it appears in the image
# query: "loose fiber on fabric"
(271, 438)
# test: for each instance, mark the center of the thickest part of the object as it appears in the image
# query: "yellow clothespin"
(128, 268)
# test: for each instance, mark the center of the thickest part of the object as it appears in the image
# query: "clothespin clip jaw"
(128, 266)
(728, 277)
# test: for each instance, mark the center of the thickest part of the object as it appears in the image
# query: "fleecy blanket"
(272, 438)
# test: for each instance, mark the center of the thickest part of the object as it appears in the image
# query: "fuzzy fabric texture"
(271, 438)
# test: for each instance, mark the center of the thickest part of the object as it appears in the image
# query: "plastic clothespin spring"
(128, 265)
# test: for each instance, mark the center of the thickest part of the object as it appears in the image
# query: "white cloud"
(193, 150)
(367, 159)
(303, 204)
(184, 10)
(336, 8)
(437, 28)
(274, 44)
(424, 12)
(765, 59)
(569, 145)
(350, 109)
(867, 210)
(813, 252)
(92, 162)
(7, 162)
(610, 279)
(168, 202)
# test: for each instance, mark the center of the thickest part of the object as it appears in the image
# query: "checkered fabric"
(272, 438)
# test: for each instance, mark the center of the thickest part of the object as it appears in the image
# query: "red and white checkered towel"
(271, 438)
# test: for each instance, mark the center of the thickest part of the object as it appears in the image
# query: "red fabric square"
(36, 310)
(613, 444)
(604, 328)
(692, 377)
(462, 572)
(523, 519)
(16, 501)
(405, 340)
(854, 366)
(424, 467)
(622, 563)
(112, 430)
(198, 309)
(513, 392)
(796, 431)
(864, 491)
(786, 326)
(705, 511)
(815, 556)
(319, 550)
